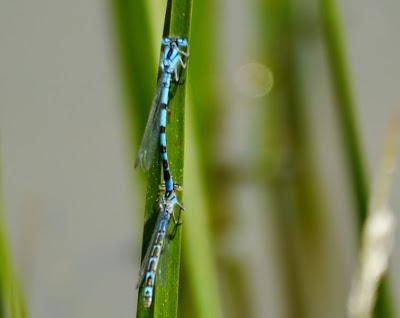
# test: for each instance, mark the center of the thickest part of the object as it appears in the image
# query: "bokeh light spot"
(254, 80)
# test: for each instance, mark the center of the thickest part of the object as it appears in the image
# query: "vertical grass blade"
(345, 109)
(203, 74)
(202, 282)
(378, 232)
(345, 102)
(11, 302)
(292, 180)
(137, 60)
(200, 296)
(165, 301)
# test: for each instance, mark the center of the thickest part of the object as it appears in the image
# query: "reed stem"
(346, 106)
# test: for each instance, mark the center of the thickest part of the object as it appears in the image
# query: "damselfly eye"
(182, 42)
(165, 41)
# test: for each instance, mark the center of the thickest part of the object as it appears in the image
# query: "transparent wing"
(151, 135)
(143, 267)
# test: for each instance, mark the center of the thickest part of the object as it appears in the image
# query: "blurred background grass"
(271, 212)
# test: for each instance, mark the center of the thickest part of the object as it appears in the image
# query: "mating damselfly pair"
(172, 56)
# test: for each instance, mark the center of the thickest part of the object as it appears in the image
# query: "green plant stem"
(197, 245)
(345, 109)
(203, 73)
(200, 296)
(165, 300)
(11, 301)
(136, 55)
(292, 182)
(345, 103)
(138, 70)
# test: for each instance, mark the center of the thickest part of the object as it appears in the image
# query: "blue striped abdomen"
(156, 249)
(169, 186)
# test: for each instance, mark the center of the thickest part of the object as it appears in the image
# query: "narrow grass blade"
(345, 108)
(345, 102)
(11, 301)
(378, 233)
(203, 77)
(200, 296)
(197, 245)
(165, 301)
(137, 60)
(292, 178)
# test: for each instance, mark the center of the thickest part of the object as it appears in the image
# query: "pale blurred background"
(73, 203)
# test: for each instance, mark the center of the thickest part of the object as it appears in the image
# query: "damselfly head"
(174, 41)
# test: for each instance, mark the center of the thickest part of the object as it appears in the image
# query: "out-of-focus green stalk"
(384, 306)
(345, 107)
(293, 165)
(138, 67)
(137, 60)
(165, 300)
(11, 302)
(376, 249)
(292, 182)
(203, 77)
(197, 245)
(345, 103)
(200, 296)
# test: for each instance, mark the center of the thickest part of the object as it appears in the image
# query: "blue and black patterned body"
(155, 252)
(170, 59)
(158, 240)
